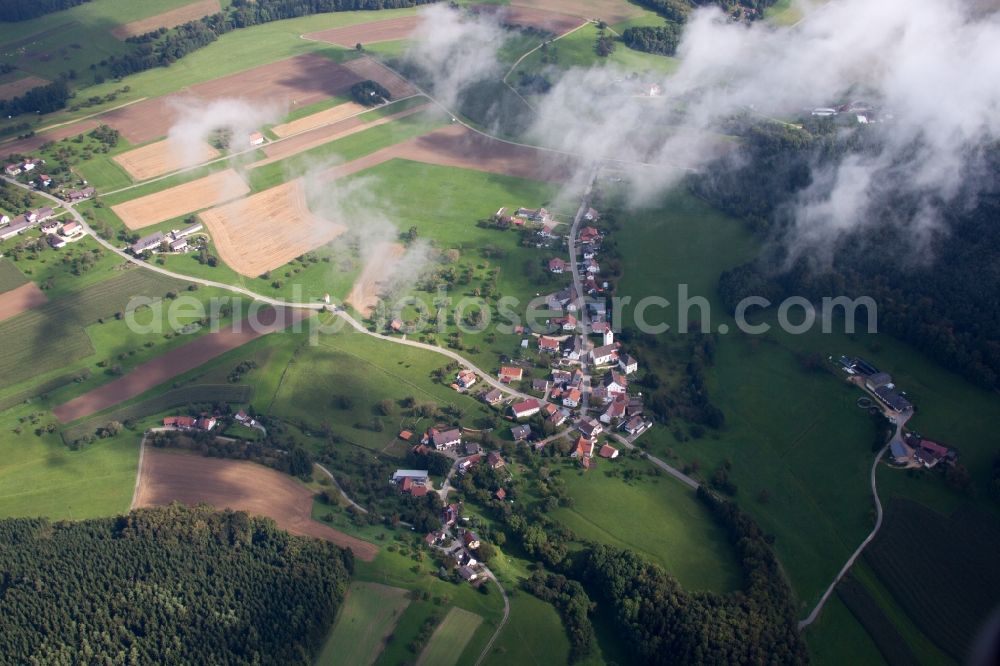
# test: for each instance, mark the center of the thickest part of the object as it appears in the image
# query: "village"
(583, 399)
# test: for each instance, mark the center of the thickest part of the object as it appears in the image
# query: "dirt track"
(157, 159)
(20, 299)
(175, 362)
(365, 292)
(170, 19)
(268, 229)
(175, 476)
(19, 87)
(368, 33)
(199, 194)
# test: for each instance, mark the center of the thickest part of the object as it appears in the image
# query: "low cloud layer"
(456, 49)
(197, 120)
(929, 66)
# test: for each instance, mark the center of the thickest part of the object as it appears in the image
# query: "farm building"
(256, 139)
(179, 245)
(12, 170)
(187, 231)
(608, 451)
(510, 373)
(180, 422)
(55, 241)
(526, 408)
(79, 195)
(150, 242)
(420, 475)
(471, 539)
(892, 399)
(70, 228)
(878, 380)
(446, 439)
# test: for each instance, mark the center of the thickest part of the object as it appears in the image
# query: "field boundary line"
(138, 472)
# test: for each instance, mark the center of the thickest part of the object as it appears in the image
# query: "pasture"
(534, 635)
(11, 276)
(450, 638)
(39, 476)
(366, 619)
(654, 516)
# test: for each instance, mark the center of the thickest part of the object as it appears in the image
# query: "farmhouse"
(471, 539)
(206, 422)
(589, 428)
(18, 225)
(628, 364)
(521, 432)
(604, 355)
(547, 344)
(572, 398)
(608, 451)
(493, 396)
(526, 408)
(447, 439)
(50, 227)
(179, 245)
(70, 228)
(510, 374)
(557, 265)
(930, 453)
(43, 180)
(150, 242)
(180, 422)
(584, 448)
(466, 378)
(55, 241)
(30, 164)
(12, 170)
(589, 235)
(411, 481)
(635, 425)
(79, 195)
(535, 215)
(615, 410)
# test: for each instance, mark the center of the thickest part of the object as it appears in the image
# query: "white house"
(604, 355)
(628, 364)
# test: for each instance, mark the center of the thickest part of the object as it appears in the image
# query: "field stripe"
(450, 638)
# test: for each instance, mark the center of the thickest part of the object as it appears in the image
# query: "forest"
(166, 585)
(663, 40)
(23, 10)
(42, 99)
(938, 296)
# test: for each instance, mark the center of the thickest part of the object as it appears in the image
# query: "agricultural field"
(450, 638)
(172, 476)
(168, 19)
(366, 619)
(534, 635)
(179, 200)
(162, 157)
(652, 515)
(10, 276)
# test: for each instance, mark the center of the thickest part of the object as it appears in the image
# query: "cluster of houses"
(57, 233)
(461, 551)
(43, 181)
(26, 165)
(878, 383)
(176, 240)
(414, 482)
(916, 451)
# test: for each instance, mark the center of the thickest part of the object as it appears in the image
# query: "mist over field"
(925, 66)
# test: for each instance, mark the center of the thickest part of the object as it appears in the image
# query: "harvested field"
(458, 146)
(19, 87)
(365, 292)
(367, 68)
(170, 19)
(611, 11)
(267, 230)
(175, 362)
(367, 33)
(303, 80)
(173, 202)
(161, 158)
(19, 299)
(321, 135)
(172, 476)
(531, 17)
(32, 143)
(327, 117)
(366, 619)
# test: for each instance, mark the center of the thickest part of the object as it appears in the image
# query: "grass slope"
(450, 638)
(368, 615)
(654, 516)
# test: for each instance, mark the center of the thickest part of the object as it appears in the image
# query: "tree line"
(42, 99)
(24, 10)
(939, 298)
(166, 585)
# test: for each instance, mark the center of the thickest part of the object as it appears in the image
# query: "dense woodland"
(23, 10)
(938, 295)
(168, 585)
(43, 99)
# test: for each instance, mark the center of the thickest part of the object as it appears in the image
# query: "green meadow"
(367, 616)
(450, 638)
